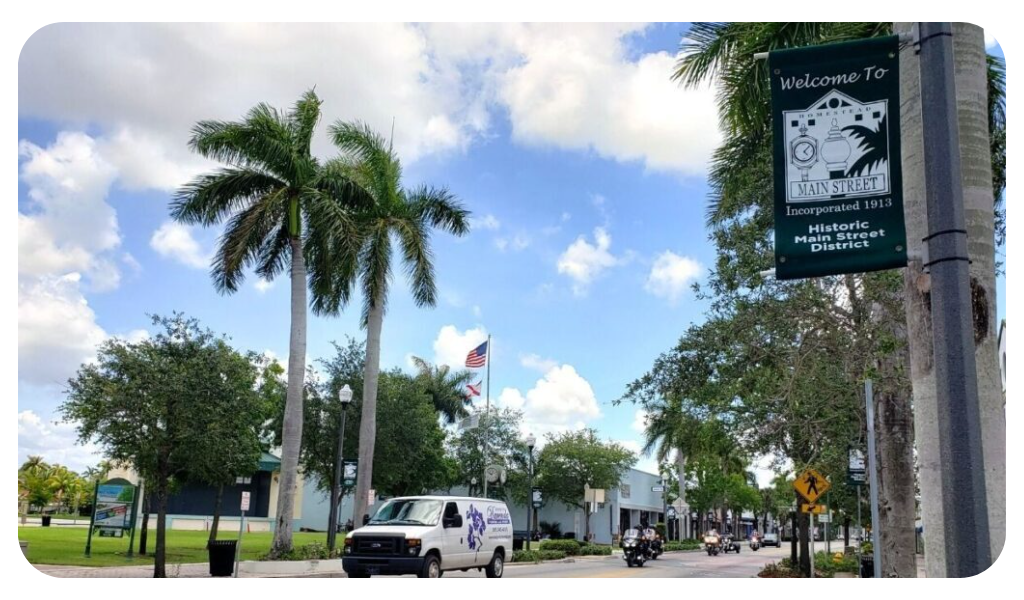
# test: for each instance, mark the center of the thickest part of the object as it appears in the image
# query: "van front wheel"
(431, 568)
(497, 566)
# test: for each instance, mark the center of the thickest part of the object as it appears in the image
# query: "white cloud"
(575, 87)
(535, 362)
(990, 40)
(583, 262)
(262, 285)
(82, 73)
(67, 239)
(671, 274)
(451, 345)
(560, 401)
(578, 88)
(639, 420)
(517, 242)
(489, 222)
(174, 240)
(55, 442)
(57, 329)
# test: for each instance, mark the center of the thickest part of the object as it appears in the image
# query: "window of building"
(624, 490)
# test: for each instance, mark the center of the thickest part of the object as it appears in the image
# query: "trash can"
(867, 566)
(46, 520)
(222, 557)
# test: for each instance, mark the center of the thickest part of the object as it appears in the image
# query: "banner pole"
(487, 409)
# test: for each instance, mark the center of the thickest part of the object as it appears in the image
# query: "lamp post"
(345, 397)
(531, 441)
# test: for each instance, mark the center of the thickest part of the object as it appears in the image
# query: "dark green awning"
(269, 462)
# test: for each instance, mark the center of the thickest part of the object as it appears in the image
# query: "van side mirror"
(453, 521)
(366, 519)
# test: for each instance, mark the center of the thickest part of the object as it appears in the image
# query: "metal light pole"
(531, 441)
(345, 397)
(962, 470)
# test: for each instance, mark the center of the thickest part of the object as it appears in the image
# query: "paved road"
(680, 564)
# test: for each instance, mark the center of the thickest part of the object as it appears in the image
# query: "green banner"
(838, 181)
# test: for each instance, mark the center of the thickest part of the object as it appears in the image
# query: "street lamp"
(345, 397)
(531, 441)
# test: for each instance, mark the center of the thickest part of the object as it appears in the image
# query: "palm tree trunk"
(292, 426)
(976, 175)
(896, 508)
(368, 424)
(216, 512)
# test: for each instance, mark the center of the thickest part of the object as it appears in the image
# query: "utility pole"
(876, 537)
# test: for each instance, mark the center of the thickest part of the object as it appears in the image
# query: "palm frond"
(381, 169)
(417, 258)
(262, 140)
(243, 238)
(209, 198)
(375, 267)
(440, 209)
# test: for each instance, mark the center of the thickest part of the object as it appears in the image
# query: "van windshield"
(408, 512)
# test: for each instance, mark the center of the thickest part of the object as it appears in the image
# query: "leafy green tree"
(164, 404)
(498, 432)
(446, 388)
(572, 460)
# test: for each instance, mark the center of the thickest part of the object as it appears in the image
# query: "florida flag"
(473, 389)
(477, 357)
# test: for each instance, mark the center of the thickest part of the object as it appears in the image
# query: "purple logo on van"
(475, 521)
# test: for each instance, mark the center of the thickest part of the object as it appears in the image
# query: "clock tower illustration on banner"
(838, 149)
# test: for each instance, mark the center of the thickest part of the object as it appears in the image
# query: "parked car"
(771, 539)
(428, 535)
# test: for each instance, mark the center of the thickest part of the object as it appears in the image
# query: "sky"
(583, 165)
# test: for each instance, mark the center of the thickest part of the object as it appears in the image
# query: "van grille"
(378, 545)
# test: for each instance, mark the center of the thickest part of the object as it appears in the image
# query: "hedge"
(595, 550)
(520, 556)
(682, 545)
(570, 547)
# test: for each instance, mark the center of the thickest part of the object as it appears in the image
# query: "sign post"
(241, 528)
(836, 149)
(811, 485)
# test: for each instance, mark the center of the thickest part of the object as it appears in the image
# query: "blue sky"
(582, 164)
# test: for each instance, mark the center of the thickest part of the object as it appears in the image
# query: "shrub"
(521, 556)
(552, 530)
(683, 545)
(570, 547)
(777, 570)
(595, 550)
(312, 551)
(660, 528)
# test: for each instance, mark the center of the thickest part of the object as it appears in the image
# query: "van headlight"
(348, 545)
(412, 546)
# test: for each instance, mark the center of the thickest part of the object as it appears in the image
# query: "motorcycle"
(755, 543)
(635, 550)
(713, 544)
(657, 547)
(729, 544)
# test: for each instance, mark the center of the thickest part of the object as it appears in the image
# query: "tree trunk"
(160, 558)
(147, 506)
(896, 504)
(846, 531)
(794, 557)
(292, 427)
(804, 524)
(976, 175)
(368, 424)
(216, 512)
(681, 473)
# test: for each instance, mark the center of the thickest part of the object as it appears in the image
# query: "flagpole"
(487, 410)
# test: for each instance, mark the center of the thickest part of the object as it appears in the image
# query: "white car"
(428, 535)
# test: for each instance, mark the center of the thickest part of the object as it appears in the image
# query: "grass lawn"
(66, 546)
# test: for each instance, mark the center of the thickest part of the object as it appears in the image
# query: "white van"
(428, 535)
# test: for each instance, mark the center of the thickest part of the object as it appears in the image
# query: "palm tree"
(34, 464)
(447, 389)
(671, 427)
(407, 217)
(284, 209)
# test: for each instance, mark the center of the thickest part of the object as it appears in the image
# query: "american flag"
(474, 388)
(477, 357)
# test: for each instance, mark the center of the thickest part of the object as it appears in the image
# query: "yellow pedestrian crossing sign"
(811, 485)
